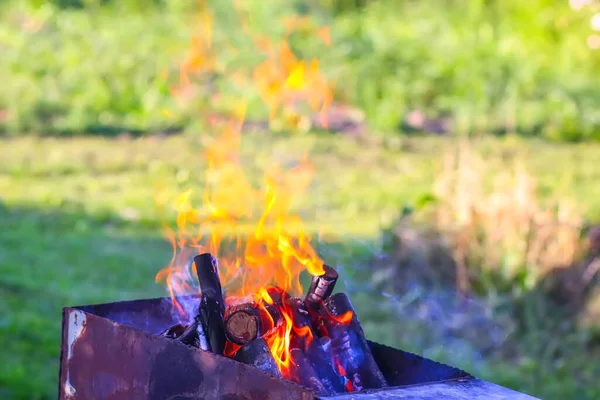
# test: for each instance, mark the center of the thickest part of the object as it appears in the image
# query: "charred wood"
(305, 338)
(194, 335)
(207, 270)
(319, 354)
(321, 288)
(257, 353)
(212, 305)
(173, 332)
(303, 373)
(349, 346)
(303, 332)
(188, 336)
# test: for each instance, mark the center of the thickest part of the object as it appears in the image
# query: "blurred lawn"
(78, 226)
(78, 217)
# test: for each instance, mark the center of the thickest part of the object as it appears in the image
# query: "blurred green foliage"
(93, 66)
(74, 71)
(494, 65)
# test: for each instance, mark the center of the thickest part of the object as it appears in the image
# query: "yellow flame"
(276, 248)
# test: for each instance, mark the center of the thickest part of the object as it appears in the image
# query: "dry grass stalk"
(503, 228)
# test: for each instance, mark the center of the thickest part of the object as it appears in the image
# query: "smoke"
(403, 310)
(185, 285)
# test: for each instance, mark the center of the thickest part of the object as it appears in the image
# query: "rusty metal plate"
(470, 389)
(103, 359)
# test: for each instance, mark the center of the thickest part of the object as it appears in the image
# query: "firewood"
(195, 335)
(349, 346)
(321, 287)
(257, 353)
(248, 321)
(303, 373)
(212, 305)
(305, 338)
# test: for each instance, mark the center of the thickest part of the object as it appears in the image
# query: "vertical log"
(212, 305)
(321, 288)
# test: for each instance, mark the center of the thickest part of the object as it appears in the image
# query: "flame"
(231, 349)
(303, 332)
(283, 81)
(342, 372)
(279, 340)
(255, 250)
(343, 319)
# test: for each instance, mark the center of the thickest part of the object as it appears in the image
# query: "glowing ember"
(231, 349)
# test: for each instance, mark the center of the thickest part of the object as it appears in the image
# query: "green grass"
(78, 225)
(493, 66)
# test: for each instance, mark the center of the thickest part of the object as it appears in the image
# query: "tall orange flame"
(276, 249)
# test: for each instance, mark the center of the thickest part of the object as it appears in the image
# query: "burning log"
(242, 323)
(302, 324)
(248, 321)
(333, 359)
(319, 354)
(304, 337)
(321, 288)
(349, 346)
(212, 305)
(257, 353)
(303, 373)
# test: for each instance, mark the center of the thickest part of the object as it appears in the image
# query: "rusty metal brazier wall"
(109, 352)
